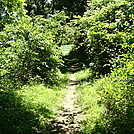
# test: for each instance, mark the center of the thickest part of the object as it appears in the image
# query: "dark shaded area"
(76, 61)
(41, 7)
(71, 63)
(71, 7)
(38, 7)
(16, 118)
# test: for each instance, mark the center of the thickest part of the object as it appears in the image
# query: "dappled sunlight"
(66, 67)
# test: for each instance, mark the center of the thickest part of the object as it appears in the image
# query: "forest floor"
(68, 121)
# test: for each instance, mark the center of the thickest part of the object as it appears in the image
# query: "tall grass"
(107, 102)
(89, 101)
(31, 109)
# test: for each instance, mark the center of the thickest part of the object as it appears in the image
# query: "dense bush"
(116, 93)
(108, 102)
(125, 75)
(102, 34)
(29, 54)
(104, 43)
(27, 51)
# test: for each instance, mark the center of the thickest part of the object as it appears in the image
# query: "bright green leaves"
(117, 95)
(107, 47)
(104, 33)
(13, 6)
(30, 52)
(104, 43)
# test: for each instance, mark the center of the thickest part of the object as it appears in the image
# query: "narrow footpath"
(70, 117)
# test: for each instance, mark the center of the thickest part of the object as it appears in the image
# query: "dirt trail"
(71, 115)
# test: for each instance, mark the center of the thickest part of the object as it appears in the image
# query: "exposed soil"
(68, 121)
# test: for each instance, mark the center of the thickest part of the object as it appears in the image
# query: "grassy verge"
(31, 109)
(107, 102)
(89, 101)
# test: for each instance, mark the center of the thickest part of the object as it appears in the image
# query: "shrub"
(101, 34)
(28, 51)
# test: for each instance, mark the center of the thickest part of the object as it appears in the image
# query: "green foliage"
(28, 51)
(13, 5)
(88, 99)
(105, 42)
(71, 7)
(102, 34)
(117, 95)
(10, 9)
(84, 76)
(108, 102)
(30, 109)
(63, 34)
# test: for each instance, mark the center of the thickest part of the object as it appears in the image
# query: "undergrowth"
(107, 102)
(88, 99)
(84, 75)
(31, 109)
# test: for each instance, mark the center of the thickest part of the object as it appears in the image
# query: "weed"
(89, 101)
(30, 109)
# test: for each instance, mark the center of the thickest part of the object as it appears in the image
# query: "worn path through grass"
(68, 121)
